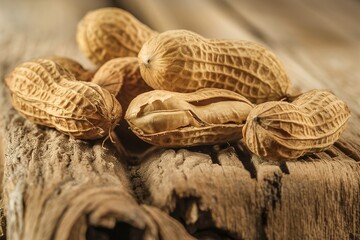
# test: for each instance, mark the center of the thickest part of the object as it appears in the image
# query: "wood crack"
(245, 157)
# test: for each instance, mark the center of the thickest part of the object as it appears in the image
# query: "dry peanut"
(281, 130)
(183, 61)
(74, 67)
(173, 119)
(122, 78)
(109, 33)
(48, 94)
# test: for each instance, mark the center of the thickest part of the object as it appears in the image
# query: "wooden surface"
(214, 191)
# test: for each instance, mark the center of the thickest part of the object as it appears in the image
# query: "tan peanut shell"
(74, 67)
(281, 130)
(122, 78)
(48, 94)
(108, 33)
(183, 61)
(172, 119)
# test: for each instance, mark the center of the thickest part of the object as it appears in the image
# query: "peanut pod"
(183, 61)
(282, 130)
(122, 78)
(79, 72)
(108, 33)
(172, 119)
(48, 94)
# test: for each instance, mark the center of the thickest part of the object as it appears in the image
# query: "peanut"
(48, 94)
(74, 67)
(122, 78)
(311, 123)
(172, 119)
(183, 61)
(109, 33)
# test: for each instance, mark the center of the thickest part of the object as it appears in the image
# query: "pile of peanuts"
(177, 89)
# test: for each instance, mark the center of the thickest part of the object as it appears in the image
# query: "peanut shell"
(48, 94)
(183, 61)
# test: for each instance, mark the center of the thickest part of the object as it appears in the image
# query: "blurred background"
(318, 41)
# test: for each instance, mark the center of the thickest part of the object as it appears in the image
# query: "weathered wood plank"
(202, 194)
(316, 197)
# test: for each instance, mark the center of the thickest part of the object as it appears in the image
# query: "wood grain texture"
(244, 198)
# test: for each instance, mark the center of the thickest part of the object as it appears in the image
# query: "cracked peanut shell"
(172, 119)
